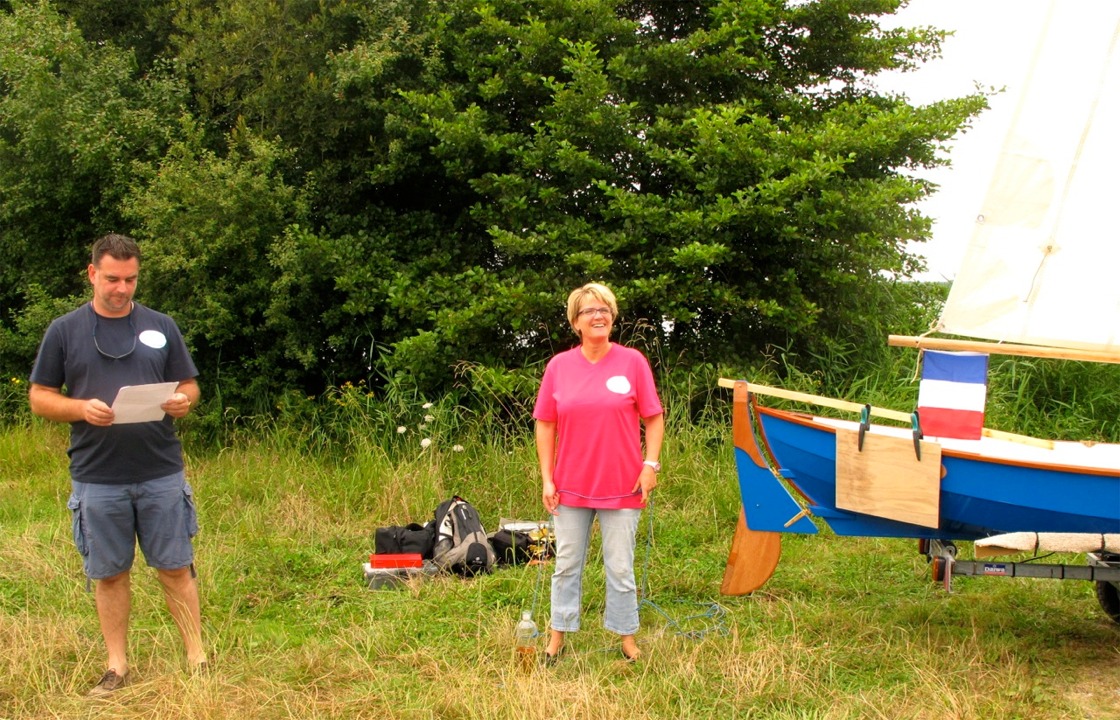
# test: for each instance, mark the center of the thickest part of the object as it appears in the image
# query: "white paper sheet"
(141, 403)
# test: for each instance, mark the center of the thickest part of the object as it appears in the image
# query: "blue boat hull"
(979, 497)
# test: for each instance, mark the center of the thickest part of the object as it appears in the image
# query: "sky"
(992, 45)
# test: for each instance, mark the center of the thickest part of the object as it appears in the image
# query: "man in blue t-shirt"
(127, 479)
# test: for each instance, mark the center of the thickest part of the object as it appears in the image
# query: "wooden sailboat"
(1034, 282)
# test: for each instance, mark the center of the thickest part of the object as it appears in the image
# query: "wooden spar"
(992, 348)
(874, 411)
(818, 400)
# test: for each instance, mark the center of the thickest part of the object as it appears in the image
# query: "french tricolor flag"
(952, 393)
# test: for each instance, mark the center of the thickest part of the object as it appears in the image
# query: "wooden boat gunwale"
(830, 424)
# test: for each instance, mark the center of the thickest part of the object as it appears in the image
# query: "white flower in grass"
(457, 448)
(401, 429)
(427, 406)
(425, 442)
(429, 418)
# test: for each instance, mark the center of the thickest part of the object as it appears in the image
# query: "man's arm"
(50, 403)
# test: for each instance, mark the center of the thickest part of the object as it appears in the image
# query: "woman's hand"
(550, 497)
(647, 481)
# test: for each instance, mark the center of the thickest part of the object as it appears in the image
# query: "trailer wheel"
(1109, 597)
(938, 568)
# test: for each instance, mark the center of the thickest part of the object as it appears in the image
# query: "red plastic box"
(395, 560)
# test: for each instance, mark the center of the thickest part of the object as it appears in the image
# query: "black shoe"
(551, 659)
(109, 682)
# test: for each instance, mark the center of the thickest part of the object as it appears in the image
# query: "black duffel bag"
(411, 538)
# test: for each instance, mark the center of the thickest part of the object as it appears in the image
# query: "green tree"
(142, 26)
(727, 166)
(265, 65)
(208, 225)
(404, 186)
(270, 72)
(74, 123)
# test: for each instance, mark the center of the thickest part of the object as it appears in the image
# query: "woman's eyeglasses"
(105, 354)
(590, 312)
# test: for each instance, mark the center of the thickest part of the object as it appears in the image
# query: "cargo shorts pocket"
(77, 526)
(190, 514)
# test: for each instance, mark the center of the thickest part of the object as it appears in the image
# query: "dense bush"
(383, 193)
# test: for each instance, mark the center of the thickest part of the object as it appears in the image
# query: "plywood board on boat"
(885, 478)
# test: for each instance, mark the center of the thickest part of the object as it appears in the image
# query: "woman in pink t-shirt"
(594, 400)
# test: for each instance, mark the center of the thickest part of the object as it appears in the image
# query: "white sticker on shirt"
(153, 339)
(618, 384)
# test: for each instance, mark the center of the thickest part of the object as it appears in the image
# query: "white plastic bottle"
(525, 639)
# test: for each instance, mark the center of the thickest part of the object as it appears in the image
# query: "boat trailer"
(1103, 568)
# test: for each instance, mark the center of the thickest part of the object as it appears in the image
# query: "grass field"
(846, 628)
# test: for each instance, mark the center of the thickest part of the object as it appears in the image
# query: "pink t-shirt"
(597, 408)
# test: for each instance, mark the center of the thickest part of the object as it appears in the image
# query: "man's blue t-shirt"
(153, 351)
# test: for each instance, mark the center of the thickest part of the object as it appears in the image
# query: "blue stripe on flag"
(955, 367)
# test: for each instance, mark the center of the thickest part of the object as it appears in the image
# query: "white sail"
(1043, 266)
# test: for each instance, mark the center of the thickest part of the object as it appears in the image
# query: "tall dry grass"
(846, 628)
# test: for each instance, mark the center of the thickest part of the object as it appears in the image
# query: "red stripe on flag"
(940, 422)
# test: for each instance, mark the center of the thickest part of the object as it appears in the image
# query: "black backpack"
(512, 547)
(461, 545)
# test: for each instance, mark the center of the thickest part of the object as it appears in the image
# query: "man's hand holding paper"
(178, 405)
(146, 403)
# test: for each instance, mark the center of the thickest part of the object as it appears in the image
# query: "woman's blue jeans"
(573, 535)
